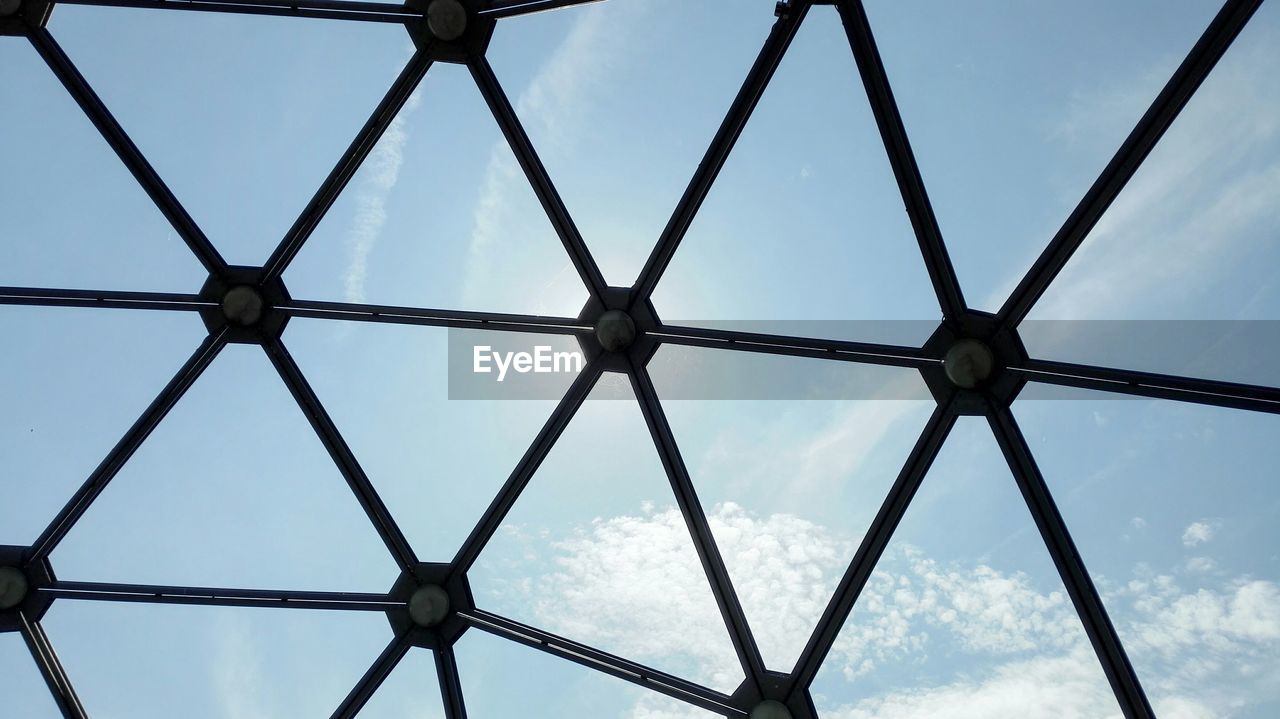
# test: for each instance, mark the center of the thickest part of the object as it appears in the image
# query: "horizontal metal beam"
(735, 619)
(610, 664)
(871, 549)
(158, 594)
(875, 81)
(525, 469)
(55, 676)
(357, 11)
(450, 684)
(373, 678)
(45, 297)
(512, 8)
(1079, 586)
(1256, 398)
(527, 156)
(1212, 45)
(342, 455)
(354, 156)
(744, 103)
(434, 318)
(128, 444)
(128, 152)
(864, 352)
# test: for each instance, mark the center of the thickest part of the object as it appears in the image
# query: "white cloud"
(1138, 523)
(383, 168)
(1198, 533)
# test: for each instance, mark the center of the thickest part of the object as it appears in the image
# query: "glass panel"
(72, 382)
(71, 215)
(790, 483)
(1186, 250)
(806, 221)
(243, 140)
(620, 127)
(441, 216)
(24, 690)
(965, 614)
(501, 678)
(232, 489)
(164, 660)
(1173, 508)
(410, 692)
(596, 550)
(437, 463)
(1014, 108)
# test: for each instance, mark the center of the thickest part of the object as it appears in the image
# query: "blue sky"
(1012, 109)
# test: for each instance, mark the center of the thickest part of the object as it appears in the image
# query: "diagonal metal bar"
(554, 206)
(1115, 663)
(1210, 48)
(610, 664)
(128, 444)
(359, 11)
(529, 463)
(1256, 398)
(735, 619)
(126, 150)
(876, 82)
(341, 454)
(383, 115)
(44, 297)
(432, 317)
(210, 596)
(450, 684)
(512, 8)
(373, 678)
(55, 676)
(872, 547)
(864, 352)
(775, 46)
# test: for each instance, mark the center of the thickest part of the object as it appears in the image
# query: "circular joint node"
(429, 605)
(615, 330)
(13, 587)
(446, 19)
(9, 7)
(242, 305)
(969, 363)
(770, 709)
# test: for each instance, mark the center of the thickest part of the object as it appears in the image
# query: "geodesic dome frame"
(974, 363)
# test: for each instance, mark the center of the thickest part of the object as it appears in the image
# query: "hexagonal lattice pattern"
(974, 363)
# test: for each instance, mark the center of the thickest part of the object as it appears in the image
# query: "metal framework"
(989, 395)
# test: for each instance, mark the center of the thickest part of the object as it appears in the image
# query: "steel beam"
(871, 549)
(1212, 45)
(864, 352)
(342, 455)
(1256, 398)
(383, 115)
(735, 619)
(64, 694)
(358, 11)
(433, 318)
(876, 82)
(525, 469)
(450, 684)
(128, 444)
(127, 151)
(373, 678)
(766, 63)
(610, 664)
(44, 297)
(271, 598)
(513, 8)
(554, 206)
(1097, 625)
